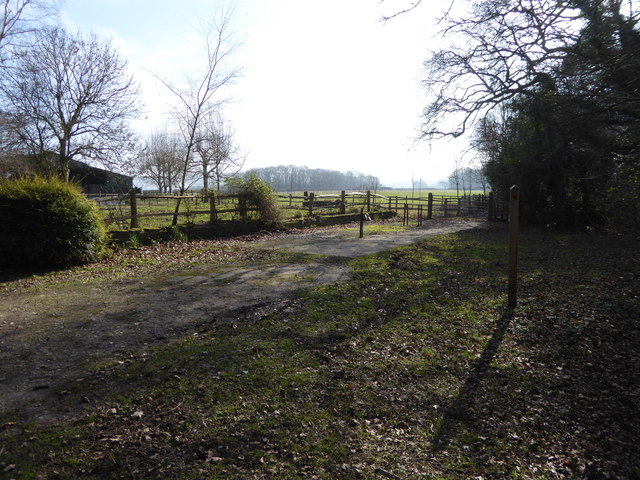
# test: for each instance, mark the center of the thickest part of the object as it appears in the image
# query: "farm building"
(92, 179)
(97, 180)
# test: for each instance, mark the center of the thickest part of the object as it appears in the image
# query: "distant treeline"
(290, 178)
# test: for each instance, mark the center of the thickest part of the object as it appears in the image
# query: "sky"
(324, 83)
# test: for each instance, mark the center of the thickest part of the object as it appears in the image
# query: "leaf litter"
(412, 369)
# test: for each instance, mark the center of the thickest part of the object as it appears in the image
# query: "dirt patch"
(64, 333)
(346, 243)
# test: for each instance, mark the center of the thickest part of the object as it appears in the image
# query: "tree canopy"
(290, 178)
(550, 87)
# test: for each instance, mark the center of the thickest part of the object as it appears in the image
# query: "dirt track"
(50, 337)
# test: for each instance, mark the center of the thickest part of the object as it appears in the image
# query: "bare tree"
(70, 96)
(406, 8)
(455, 177)
(198, 98)
(19, 18)
(160, 160)
(503, 49)
(217, 156)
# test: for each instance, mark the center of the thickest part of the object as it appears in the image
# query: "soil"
(52, 337)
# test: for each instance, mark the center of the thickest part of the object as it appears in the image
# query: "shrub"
(256, 194)
(47, 222)
(173, 233)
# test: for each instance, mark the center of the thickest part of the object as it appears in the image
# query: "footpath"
(54, 337)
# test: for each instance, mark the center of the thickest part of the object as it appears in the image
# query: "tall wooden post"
(368, 200)
(311, 198)
(134, 208)
(242, 206)
(361, 222)
(514, 212)
(343, 202)
(213, 214)
(430, 207)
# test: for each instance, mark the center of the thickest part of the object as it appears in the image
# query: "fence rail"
(130, 209)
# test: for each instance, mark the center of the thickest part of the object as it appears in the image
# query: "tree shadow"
(459, 412)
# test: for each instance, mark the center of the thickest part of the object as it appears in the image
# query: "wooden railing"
(133, 207)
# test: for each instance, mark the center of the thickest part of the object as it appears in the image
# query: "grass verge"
(412, 369)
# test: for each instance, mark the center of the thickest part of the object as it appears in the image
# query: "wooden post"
(213, 214)
(389, 203)
(430, 207)
(242, 206)
(446, 207)
(368, 200)
(134, 208)
(343, 202)
(311, 197)
(514, 212)
(361, 222)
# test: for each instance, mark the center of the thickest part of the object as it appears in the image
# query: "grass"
(117, 208)
(411, 370)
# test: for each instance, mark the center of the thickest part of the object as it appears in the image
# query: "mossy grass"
(411, 369)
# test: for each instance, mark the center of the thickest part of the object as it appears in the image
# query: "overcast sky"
(325, 83)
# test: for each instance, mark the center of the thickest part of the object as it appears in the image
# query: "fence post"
(491, 207)
(430, 207)
(368, 200)
(134, 208)
(361, 222)
(311, 197)
(242, 206)
(343, 200)
(446, 207)
(213, 214)
(514, 201)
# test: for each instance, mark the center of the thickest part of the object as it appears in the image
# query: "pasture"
(155, 211)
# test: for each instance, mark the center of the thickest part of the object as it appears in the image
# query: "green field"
(116, 209)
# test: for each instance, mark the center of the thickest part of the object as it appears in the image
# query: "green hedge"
(47, 222)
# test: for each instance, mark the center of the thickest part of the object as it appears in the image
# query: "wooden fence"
(129, 210)
(429, 206)
(133, 207)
